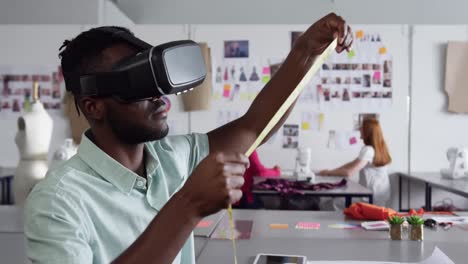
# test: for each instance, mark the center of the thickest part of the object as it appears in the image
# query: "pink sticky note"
(352, 141)
(266, 70)
(226, 90)
(307, 225)
(377, 75)
(204, 223)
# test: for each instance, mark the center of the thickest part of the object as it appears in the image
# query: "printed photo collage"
(354, 81)
(16, 87)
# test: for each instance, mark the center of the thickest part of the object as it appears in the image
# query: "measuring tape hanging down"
(275, 119)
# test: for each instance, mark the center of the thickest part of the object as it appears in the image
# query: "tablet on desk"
(279, 259)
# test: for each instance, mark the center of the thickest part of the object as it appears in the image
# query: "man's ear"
(93, 108)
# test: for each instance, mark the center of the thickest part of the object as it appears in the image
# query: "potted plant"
(395, 227)
(416, 227)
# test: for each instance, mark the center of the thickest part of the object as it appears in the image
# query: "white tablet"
(263, 258)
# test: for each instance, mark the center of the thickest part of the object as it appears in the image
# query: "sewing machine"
(458, 158)
(302, 168)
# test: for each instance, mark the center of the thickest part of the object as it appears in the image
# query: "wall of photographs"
(359, 80)
(370, 79)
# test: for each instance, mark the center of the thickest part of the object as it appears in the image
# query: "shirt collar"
(110, 169)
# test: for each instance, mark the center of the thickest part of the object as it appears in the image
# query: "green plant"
(415, 220)
(395, 220)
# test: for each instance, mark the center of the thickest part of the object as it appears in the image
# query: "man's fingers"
(233, 158)
(235, 182)
(234, 168)
(235, 196)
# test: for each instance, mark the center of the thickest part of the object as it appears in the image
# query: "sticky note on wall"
(359, 34)
(382, 50)
(351, 54)
(321, 120)
(377, 75)
(226, 90)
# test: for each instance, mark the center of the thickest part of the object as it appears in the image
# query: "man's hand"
(317, 38)
(216, 182)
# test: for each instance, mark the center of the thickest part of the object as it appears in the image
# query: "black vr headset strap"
(103, 84)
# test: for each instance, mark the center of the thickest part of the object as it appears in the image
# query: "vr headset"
(171, 68)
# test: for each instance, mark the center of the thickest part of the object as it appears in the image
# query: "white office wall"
(434, 129)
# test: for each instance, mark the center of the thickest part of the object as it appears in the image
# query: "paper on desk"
(453, 219)
(437, 257)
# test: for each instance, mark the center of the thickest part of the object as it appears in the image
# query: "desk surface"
(263, 218)
(459, 186)
(217, 251)
(11, 219)
(351, 188)
(327, 243)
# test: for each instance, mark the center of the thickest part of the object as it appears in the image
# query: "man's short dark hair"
(83, 54)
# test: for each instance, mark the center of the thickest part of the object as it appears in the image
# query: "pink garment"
(256, 169)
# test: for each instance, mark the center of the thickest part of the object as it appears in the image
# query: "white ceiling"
(294, 11)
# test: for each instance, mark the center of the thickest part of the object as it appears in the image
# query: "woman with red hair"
(371, 163)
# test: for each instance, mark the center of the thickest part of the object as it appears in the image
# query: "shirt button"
(140, 183)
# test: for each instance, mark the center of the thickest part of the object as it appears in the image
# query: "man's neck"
(130, 156)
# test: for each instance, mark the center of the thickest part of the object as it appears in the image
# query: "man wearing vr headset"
(131, 194)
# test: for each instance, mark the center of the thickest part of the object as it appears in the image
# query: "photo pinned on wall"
(254, 76)
(294, 36)
(336, 94)
(218, 75)
(366, 80)
(387, 95)
(326, 94)
(387, 74)
(326, 66)
(290, 136)
(236, 49)
(346, 97)
(235, 92)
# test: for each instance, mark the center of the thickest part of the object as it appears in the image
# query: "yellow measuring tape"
(275, 119)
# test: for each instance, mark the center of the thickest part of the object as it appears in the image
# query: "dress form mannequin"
(33, 141)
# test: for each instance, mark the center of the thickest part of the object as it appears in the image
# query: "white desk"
(327, 243)
(12, 240)
(434, 179)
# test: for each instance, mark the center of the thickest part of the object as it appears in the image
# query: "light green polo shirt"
(91, 208)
